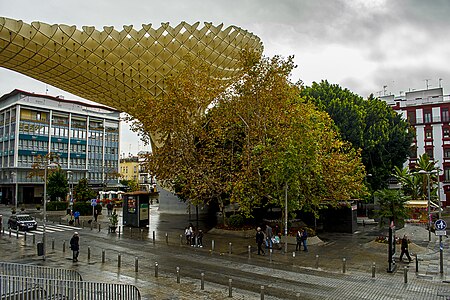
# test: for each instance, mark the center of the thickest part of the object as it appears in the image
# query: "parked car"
(22, 222)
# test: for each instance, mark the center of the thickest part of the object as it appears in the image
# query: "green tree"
(392, 206)
(57, 185)
(82, 191)
(370, 125)
(130, 185)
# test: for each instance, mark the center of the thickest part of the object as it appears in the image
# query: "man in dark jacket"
(405, 248)
(75, 246)
(260, 240)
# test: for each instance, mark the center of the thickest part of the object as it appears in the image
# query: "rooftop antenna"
(426, 80)
(384, 90)
(440, 80)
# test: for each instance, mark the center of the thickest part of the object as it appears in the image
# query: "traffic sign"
(93, 202)
(440, 232)
(440, 225)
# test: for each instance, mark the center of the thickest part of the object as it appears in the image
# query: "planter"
(112, 229)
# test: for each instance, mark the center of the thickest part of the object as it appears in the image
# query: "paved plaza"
(321, 273)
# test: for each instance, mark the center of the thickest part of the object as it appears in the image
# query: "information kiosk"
(136, 211)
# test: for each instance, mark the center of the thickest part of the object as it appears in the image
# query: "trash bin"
(40, 249)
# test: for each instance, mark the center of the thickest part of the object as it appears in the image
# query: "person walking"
(405, 248)
(75, 246)
(260, 240)
(304, 238)
(269, 236)
(77, 217)
(109, 207)
(298, 237)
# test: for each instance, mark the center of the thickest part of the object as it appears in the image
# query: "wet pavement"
(320, 273)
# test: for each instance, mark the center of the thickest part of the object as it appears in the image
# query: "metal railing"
(25, 270)
(17, 287)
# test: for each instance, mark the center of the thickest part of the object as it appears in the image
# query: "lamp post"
(70, 178)
(47, 164)
(286, 219)
(428, 202)
(16, 199)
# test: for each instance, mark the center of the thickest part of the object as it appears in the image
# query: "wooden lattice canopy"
(111, 66)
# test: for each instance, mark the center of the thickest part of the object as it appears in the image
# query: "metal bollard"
(212, 246)
(64, 246)
(230, 248)
(119, 260)
(417, 263)
(344, 265)
(181, 240)
(131, 232)
(17, 232)
(103, 256)
(373, 270)
(167, 238)
(202, 281)
(230, 289)
(82, 224)
(10, 232)
(99, 227)
(317, 261)
(34, 239)
(91, 225)
(25, 237)
(156, 269)
(178, 274)
(153, 237)
(293, 254)
(119, 229)
(53, 244)
(89, 252)
(249, 252)
(142, 234)
(405, 274)
(136, 264)
(262, 292)
(270, 254)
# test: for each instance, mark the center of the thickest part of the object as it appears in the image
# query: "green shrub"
(56, 205)
(85, 208)
(236, 221)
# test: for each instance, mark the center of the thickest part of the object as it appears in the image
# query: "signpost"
(93, 203)
(440, 227)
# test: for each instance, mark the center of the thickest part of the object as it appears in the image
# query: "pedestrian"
(269, 235)
(298, 237)
(304, 238)
(260, 240)
(405, 248)
(76, 215)
(109, 207)
(200, 239)
(75, 246)
(187, 233)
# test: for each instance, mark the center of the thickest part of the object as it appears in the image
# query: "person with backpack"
(75, 246)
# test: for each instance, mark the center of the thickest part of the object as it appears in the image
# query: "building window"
(446, 132)
(447, 173)
(428, 133)
(444, 115)
(429, 152)
(411, 116)
(427, 117)
(447, 153)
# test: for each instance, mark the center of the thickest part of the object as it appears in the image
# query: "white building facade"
(428, 112)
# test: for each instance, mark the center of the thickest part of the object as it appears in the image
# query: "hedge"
(56, 205)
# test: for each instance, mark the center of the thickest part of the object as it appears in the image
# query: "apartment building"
(84, 136)
(428, 112)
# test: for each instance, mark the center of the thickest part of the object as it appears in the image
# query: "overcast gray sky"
(362, 45)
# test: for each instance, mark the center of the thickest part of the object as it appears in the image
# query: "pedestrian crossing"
(50, 228)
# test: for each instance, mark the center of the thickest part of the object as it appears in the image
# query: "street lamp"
(47, 164)
(70, 178)
(16, 199)
(429, 200)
